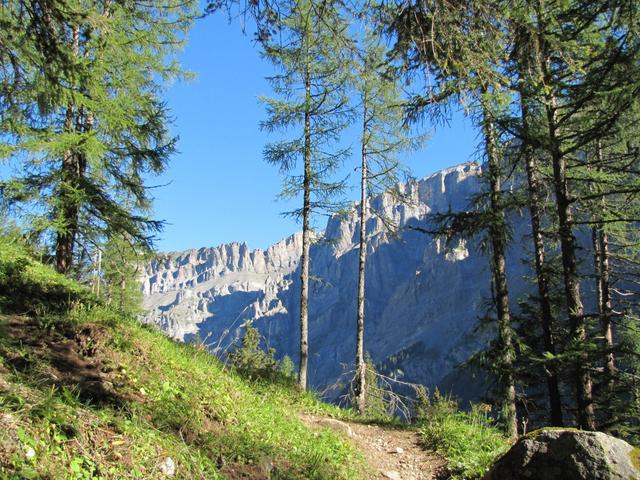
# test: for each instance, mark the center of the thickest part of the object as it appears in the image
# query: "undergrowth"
(469, 441)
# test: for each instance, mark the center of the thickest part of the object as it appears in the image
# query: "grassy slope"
(86, 394)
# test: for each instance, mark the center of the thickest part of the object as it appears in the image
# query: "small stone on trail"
(397, 450)
(392, 475)
(8, 420)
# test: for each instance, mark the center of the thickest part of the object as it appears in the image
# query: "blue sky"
(219, 189)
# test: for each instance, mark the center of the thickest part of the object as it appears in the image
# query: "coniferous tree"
(524, 82)
(81, 115)
(308, 48)
(383, 136)
(573, 64)
(460, 47)
(120, 267)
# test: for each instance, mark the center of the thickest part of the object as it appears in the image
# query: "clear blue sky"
(219, 187)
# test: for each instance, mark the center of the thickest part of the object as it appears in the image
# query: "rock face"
(566, 455)
(423, 301)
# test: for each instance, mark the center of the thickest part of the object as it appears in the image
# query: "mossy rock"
(567, 454)
(634, 455)
(535, 433)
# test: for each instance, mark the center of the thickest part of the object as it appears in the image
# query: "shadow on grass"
(66, 356)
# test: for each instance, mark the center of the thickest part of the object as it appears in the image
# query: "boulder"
(564, 454)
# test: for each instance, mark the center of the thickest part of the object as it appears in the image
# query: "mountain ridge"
(414, 329)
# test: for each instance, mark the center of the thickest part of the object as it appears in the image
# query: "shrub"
(250, 359)
(468, 440)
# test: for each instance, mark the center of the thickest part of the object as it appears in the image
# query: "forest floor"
(393, 453)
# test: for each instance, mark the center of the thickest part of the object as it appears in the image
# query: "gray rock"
(392, 475)
(566, 455)
(167, 467)
(336, 425)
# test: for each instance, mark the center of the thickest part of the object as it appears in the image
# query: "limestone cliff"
(423, 299)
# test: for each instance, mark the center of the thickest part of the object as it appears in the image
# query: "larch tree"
(82, 120)
(524, 81)
(383, 136)
(459, 47)
(578, 53)
(306, 45)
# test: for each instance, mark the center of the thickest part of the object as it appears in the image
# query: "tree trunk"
(544, 299)
(606, 309)
(361, 368)
(66, 234)
(577, 321)
(601, 246)
(70, 175)
(306, 241)
(498, 245)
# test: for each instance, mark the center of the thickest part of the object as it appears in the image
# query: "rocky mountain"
(424, 298)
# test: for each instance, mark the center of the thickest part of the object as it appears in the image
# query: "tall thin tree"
(383, 136)
(307, 47)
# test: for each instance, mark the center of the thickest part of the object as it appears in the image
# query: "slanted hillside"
(85, 393)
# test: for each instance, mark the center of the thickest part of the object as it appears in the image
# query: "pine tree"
(82, 117)
(309, 51)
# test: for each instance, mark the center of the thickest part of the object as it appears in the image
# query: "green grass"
(174, 401)
(163, 399)
(28, 286)
(467, 440)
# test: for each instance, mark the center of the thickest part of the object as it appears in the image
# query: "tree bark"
(361, 368)
(577, 322)
(306, 240)
(72, 169)
(66, 234)
(601, 246)
(498, 244)
(606, 309)
(544, 299)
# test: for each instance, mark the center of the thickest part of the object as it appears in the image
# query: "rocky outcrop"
(566, 455)
(423, 302)
(183, 290)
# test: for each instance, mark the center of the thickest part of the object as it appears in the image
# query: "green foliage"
(287, 368)
(311, 105)
(82, 116)
(121, 264)
(376, 397)
(250, 358)
(468, 440)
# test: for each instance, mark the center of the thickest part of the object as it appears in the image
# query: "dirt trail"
(394, 454)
